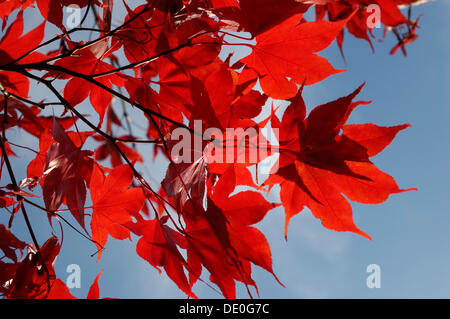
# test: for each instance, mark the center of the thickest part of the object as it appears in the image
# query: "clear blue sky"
(411, 237)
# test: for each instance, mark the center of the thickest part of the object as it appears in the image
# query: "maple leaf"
(185, 181)
(199, 44)
(88, 61)
(158, 246)
(289, 51)
(114, 204)
(220, 107)
(14, 45)
(318, 163)
(67, 168)
(138, 38)
(174, 85)
(35, 274)
(224, 3)
(218, 103)
(222, 240)
(36, 166)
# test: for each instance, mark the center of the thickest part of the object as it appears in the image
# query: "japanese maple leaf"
(204, 44)
(222, 240)
(67, 168)
(390, 14)
(158, 246)
(220, 104)
(114, 204)
(185, 181)
(171, 6)
(35, 274)
(15, 108)
(322, 159)
(174, 88)
(173, 81)
(289, 51)
(36, 166)
(42, 127)
(88, 61)
(219, 109)
(138, 38)
(14, 45)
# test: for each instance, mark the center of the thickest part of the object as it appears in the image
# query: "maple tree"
(164, 61)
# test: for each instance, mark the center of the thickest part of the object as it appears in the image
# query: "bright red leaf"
(114, 204)
(318, 164)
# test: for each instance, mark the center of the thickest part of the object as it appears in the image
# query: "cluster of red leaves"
(195, 222)
(34, 276)
(389, 15)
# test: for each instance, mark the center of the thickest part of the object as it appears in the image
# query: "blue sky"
(411, 237)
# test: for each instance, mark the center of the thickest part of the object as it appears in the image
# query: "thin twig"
(11, 173)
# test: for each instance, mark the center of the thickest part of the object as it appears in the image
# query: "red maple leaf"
(35, 274)
(114, 204)
(158, 246)
(88, 61)
(222, 240)
(289, 51)
(67, 168)
(322, 159)
(13, 46)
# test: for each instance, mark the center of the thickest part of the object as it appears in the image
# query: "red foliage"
(164, 61)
